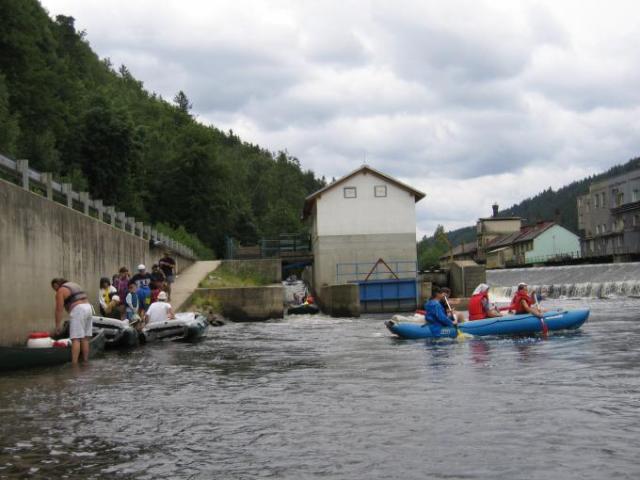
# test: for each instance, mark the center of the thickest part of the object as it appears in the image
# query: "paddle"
(446, 300)
(545, 328)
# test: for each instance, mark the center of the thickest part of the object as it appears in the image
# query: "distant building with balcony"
(609, 217)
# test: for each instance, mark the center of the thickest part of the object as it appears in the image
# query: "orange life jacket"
(476, 310)
(516, 303)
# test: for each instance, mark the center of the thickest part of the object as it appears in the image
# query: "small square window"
(380, 191)
(350, 192)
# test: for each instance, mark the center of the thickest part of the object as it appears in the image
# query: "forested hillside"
(548, 205)
(76, 115)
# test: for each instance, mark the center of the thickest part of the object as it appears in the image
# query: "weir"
(577, 281)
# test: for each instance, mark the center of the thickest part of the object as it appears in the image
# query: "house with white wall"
(358, 219)
(539, 243)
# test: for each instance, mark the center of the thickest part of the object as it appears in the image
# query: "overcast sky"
(470, 101)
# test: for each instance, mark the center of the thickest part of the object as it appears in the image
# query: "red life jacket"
(516, 303)
(476, 311)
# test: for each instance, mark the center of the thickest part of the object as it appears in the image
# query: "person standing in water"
(71, 297)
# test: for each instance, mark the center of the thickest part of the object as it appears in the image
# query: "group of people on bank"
(140, 299)
(128, 297)
(439, 313)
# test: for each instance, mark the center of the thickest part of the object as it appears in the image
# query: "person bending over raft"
(523, 303)
(479, 305)
(435, 315)
(72, 298)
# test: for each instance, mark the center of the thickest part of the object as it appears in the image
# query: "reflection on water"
(317, 397)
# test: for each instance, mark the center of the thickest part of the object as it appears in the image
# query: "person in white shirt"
(160, 311)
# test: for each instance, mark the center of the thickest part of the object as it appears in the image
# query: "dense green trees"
(73, 114)
(430, 249)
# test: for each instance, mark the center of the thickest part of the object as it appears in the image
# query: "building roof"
(462, 249)
(311, 199)
(499, 218)
(525, 234)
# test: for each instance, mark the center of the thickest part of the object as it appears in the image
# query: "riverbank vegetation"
(93, 124)
(227, 276)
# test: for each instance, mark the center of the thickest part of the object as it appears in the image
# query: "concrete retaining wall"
(340, 300)
(268, 268)
(41, 239)
(465, 276)
(245, 303)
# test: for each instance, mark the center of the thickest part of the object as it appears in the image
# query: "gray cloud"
(471, 101)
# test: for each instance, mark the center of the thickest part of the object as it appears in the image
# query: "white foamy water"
(573, 281)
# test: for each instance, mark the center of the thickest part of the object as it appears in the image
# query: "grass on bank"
(234, 275)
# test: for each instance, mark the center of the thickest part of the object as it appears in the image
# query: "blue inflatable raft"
(508, 325)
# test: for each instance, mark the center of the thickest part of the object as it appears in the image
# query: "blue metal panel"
(386, 295)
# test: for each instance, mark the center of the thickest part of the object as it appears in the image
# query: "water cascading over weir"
(574, 281)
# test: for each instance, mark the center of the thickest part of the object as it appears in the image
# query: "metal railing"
(353, 272)
(285, 244)
(552, 257)
(18, 172)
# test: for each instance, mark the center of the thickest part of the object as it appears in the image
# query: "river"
(327, 398)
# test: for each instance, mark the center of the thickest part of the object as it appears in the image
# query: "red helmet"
(310, 299)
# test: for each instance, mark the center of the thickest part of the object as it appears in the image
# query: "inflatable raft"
(118, 333)
(13, 358)
(186, 326)
(508, 325)
(303, 309)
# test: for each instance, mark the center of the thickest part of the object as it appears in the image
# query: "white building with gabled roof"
(358, 219)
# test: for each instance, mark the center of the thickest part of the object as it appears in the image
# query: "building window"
(350, 192)
(635, 196)
(380, 190)
(604, 200)
(596, 200)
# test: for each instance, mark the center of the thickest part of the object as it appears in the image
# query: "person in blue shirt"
(435, 315)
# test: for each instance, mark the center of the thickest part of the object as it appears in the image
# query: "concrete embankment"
(41, 239)
(243, 303)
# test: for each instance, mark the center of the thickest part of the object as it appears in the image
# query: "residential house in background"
(490, 228)
(539, 243)
(609, 217)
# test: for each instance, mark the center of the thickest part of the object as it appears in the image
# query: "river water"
(326, 398)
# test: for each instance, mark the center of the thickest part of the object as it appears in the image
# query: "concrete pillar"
(139, 227)
(84, 200)
(147, 232)
(131, 223)
(47, 180)
(23, 168)
(67, 190)
(122, 217)
(98, 206)
(154, 234)
(111, 211)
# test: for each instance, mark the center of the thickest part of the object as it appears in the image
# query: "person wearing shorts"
(168, 266)
(71, 297)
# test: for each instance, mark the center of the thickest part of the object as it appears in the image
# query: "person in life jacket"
(479, 305)
(449, 310)
(523, 303)
(435, 315)
(71, 297)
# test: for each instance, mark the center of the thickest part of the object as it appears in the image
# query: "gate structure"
(383, 286)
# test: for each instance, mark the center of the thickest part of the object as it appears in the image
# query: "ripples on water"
(317, 397)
